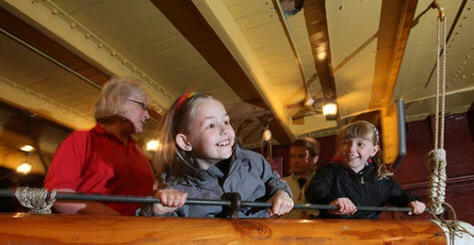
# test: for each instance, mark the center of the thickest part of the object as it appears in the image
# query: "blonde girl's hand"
(171, 199)
(417, 207)
(281, 203)
(344, 206)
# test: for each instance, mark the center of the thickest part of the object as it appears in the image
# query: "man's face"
(300, 160)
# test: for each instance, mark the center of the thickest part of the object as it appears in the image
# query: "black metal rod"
(74, 196)
(204, 202)
(327, 207)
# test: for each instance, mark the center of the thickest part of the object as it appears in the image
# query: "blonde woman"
(106, 159)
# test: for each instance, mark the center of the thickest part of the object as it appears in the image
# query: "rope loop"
(437, 164)
(35, 199)
(438, 157)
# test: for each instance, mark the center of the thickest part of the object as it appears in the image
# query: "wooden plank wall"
(414, 175)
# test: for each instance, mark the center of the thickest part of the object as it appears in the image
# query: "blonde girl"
(359, 177)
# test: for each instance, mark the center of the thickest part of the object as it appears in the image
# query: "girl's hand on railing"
(417, 207)
(281, 203)
(344, 206)
(171, 199)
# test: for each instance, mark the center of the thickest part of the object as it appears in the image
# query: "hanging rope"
(437, 157)
(36, 199)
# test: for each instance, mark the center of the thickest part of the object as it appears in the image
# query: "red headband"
(181, 101)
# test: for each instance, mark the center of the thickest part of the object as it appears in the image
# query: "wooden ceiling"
(56, 54)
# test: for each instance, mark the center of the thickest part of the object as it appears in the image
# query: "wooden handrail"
(21, 228)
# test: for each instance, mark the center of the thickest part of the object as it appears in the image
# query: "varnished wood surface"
(21, 228)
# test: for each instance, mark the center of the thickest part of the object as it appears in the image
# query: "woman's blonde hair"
(114, 94)
(366, 130)
(170, 160)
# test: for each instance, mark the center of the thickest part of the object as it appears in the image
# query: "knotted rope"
(437, 157)
(437, 163)
(35, 199)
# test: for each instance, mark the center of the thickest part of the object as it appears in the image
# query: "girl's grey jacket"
(248, 174)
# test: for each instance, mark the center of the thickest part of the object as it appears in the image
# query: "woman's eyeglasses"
(142, 105)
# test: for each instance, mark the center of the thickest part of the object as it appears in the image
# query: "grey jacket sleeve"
(272, 180)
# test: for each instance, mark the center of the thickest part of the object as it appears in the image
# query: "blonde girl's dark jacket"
(333, 180)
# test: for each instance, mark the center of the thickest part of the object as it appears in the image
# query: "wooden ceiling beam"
(53, 49)
(396, 20)
(316, 24)
(24, 98)
(189, 20)
(57, 24)
(35, 38)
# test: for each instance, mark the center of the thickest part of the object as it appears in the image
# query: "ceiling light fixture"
(153, 145)
(330, 110)
(24, 168)
(267, 135)
(27, 148)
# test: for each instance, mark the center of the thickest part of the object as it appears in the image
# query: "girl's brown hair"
(366, 130)
(170, 161)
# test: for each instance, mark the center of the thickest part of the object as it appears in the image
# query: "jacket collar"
(367, 171)
(214, 171)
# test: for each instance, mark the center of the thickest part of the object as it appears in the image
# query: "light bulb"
(330, 111)
(24, 168)
(267, 135)
(153, 145)
(27, 148)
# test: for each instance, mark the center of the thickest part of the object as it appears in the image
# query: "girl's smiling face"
(356, 152)
(210, 136)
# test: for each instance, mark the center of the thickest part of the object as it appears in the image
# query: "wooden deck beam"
(236, 65)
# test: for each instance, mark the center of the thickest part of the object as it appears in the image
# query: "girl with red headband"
(200, 157)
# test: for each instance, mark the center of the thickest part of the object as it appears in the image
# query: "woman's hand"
(281, 203)
(344, 206)
(171, 199)
(417, 207)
